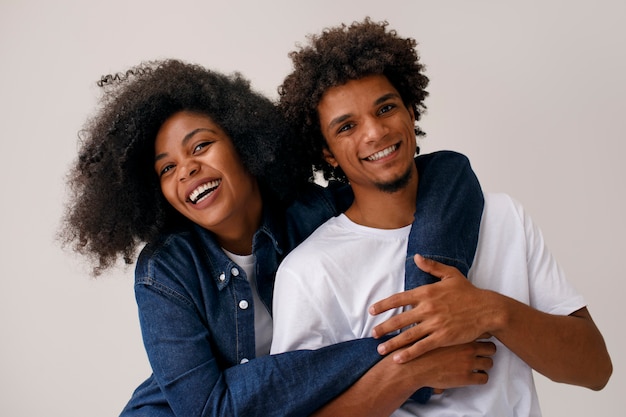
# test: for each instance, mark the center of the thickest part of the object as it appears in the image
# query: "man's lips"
(381, 154)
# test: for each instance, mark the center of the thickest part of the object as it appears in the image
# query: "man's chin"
(397, 184)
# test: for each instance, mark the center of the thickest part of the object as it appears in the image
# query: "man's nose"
(374, 130)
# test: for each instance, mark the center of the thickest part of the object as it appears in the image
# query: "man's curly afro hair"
(336, 56)
(116, 202)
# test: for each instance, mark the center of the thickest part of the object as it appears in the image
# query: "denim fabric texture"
(196, 312)
(445, 224)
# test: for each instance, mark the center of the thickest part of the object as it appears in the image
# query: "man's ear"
(329, 158)
(411, 112)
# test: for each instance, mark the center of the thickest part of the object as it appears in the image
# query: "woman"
(203, 170)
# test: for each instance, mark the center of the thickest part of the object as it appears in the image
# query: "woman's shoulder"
(178, 255)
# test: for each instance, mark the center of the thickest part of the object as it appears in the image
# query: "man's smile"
(381, 154)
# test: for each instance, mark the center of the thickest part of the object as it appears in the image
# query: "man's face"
(370, 133)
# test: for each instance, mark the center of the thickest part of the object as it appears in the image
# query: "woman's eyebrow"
(186, 139)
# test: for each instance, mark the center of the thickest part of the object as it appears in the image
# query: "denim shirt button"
(243, 304)
(222, 277)
(235, 272)
(244, 360)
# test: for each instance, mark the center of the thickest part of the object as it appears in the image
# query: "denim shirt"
(197, 317)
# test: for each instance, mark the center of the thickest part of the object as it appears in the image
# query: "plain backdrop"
(532, 91)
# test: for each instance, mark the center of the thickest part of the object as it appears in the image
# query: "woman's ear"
(329, 158)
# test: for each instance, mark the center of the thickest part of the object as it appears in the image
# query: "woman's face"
(202, 176)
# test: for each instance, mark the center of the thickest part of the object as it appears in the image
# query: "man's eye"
(386, 108)
(345, 128)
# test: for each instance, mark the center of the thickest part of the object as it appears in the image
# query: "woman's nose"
(188, 171)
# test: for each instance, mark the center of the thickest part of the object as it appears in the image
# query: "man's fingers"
(397, 300)
(414, 351)
(485, 349)
(434, 268)
(479, 378)
(406, 337)
(484, 364)
(394, 323)
(484, 353)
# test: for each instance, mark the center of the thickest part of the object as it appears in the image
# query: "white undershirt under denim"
(262, 318)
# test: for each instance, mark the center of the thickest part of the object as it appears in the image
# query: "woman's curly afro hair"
(333, 58)
(116, 202)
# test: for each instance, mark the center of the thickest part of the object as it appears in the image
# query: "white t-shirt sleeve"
(550, 291)
(513, 259)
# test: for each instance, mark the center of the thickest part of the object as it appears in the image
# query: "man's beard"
(397, 184)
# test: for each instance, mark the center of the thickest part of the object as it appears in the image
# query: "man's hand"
(446, 313)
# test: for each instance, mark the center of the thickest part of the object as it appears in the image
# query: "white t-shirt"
(324, 287)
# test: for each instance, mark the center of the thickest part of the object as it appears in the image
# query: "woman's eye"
(165, 170)
(200, 146)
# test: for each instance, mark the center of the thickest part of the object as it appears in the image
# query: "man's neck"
(383, 210)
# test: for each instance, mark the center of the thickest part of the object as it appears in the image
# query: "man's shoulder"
(502, 205)
(446, 166)
(314, 207)
(442, 156)
(504, 219)
(330, 197)
(317, 246)
(320, 237)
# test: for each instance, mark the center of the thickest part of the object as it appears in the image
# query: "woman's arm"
(194, 383)
(388, 384)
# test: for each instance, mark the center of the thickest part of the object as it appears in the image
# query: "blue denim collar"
(220, 265)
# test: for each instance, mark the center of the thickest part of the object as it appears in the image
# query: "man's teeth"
(382, 154)
(203, 191)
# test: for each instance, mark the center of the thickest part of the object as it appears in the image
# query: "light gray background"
(533, 92)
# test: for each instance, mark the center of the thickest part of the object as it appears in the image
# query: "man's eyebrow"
(186, 139)
(337, 120)
(386, 97)
(340, 119)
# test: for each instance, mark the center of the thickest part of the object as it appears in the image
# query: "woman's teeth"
(203, 191)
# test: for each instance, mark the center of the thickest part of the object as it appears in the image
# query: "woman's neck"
(236, 234)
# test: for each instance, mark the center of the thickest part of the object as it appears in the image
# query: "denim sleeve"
(189, 381)
(447, 216)
(447, 219)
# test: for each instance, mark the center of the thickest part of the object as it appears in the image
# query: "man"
(357, 93)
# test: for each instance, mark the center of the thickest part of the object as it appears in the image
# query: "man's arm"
(566, 349)
(388, 384)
